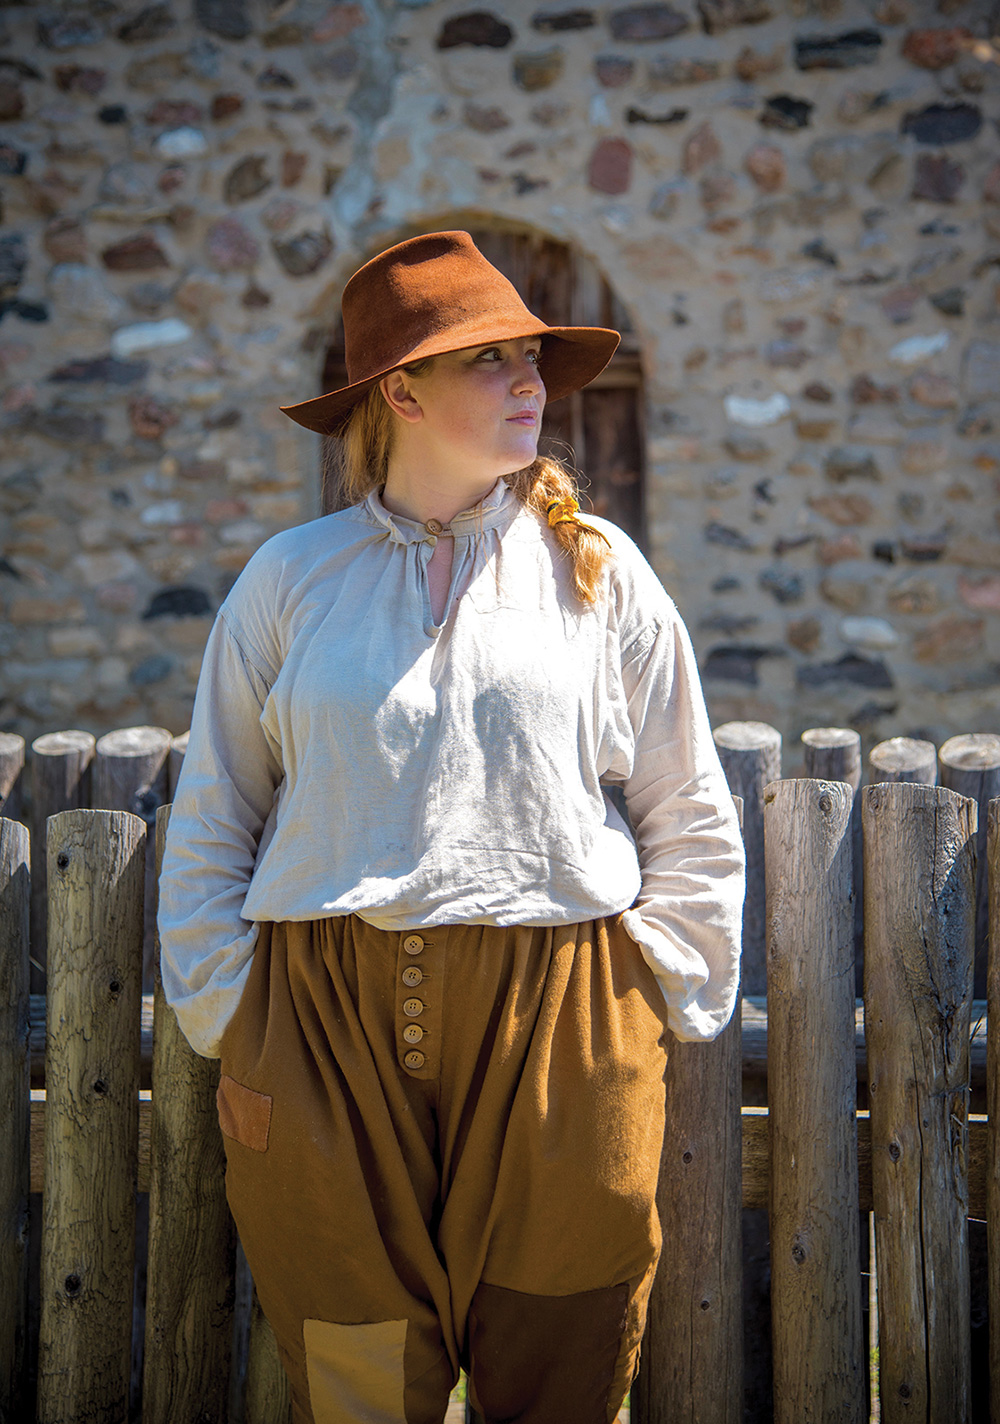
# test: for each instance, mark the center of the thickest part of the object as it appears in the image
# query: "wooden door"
(596, 431)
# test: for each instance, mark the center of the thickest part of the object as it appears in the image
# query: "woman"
(397, 903)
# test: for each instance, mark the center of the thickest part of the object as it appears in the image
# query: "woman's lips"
(524, 417)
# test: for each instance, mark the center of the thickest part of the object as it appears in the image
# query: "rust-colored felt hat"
(438, 293)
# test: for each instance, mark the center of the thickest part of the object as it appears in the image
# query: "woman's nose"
(528, 378)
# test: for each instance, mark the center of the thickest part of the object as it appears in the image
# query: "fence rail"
(917, 1159)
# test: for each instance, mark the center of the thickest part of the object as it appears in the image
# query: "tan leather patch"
(355, 1371)
(243, 1114)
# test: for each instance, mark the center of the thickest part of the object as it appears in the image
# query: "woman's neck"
(423, 496)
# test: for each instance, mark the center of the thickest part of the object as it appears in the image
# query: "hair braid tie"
(566, 511)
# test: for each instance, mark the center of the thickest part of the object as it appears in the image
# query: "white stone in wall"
(876, 634)
(148, 335)
(181, 143)
(598, 113)
(170, 511)
(748, 410)
(918, 348)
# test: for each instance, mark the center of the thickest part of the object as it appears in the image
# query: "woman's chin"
(523, 454)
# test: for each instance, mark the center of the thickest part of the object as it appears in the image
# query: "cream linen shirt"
(349, 755)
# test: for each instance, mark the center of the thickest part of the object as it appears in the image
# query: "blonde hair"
(361, 464)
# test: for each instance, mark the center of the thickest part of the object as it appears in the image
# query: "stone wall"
(798, 201)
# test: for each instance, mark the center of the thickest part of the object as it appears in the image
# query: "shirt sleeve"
(687, 920)
(224, 795)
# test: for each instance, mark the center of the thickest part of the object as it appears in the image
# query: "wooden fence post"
(993, 1103)
(130, 774)
(96, 862)
(268, 1396)
(834, 754)
(188, 1312)
(60, 781)
(15, 1108)
(178, 749)
(970, 765)
(919, 927)
(811, 1080)
(130, 770)
(750, 753)
(11, 766)
(692, 1352)
(903, 759)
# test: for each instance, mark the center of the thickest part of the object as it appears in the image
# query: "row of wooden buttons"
(413, 1033)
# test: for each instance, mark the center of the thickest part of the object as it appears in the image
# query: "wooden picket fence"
(918, 1159)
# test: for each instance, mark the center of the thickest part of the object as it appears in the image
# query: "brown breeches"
(442, 1150)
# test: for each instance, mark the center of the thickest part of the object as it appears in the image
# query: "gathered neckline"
(491, 511)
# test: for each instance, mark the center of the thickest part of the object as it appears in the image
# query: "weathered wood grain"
(819, 1356)
(903, 759)
(970, 765)
(993, 1101)
(11, 767)
(692, 1353)
(692, 1362)
(919, 929)
(59, 773)
(750, 753)
(15, 893)
(268, 1396)
(131, 774)
(756, 1161)
(834, 754)
(188, 1312)
(37, 1012)
(96, 862)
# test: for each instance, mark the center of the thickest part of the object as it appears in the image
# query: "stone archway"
(599, 431)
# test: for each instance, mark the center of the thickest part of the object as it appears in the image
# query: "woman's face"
(480, 408)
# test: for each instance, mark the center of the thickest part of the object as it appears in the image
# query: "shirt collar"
(496, 508)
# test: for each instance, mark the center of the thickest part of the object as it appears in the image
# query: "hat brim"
(571, 357)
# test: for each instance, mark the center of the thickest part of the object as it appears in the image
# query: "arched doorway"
(599, 430)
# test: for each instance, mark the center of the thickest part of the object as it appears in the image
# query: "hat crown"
(429, 291)
(437, 293)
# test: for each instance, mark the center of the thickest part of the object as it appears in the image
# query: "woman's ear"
(400, 398)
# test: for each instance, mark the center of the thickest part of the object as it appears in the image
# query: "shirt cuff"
(682, 974)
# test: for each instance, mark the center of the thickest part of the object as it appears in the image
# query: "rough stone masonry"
(797, 201)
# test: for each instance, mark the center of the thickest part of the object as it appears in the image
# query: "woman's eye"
(492, 354)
